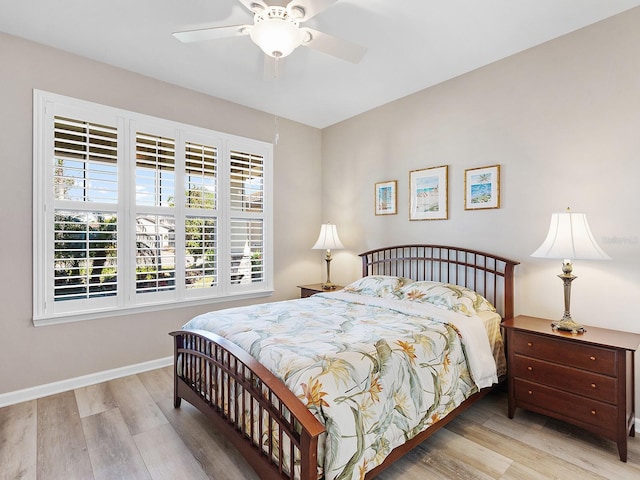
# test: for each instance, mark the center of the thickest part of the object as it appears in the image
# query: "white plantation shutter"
(85, 161)
(247, 230)
(247, 248)
(155, 233)
(155, 170)
(201, 222)
(201, 166)
(201, 268)
(247, 172)
(135, 213)
(85, 255)
(85, 192)
(155, 253)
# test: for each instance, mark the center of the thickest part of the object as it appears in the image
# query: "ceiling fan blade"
(252, 5)
(334, 46)
(212, 33)
(311, 7)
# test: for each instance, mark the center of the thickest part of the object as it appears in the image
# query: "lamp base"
(568, 325)
(329, 286)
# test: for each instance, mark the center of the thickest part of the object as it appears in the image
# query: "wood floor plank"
(18, 441)
(94, 399)
(492, 404)
(430, 461)
(477, 457)
(136, 405)
(520, 472)
(218, 459)
(166, 455)
(581, 451)
(585, 450)
(62, 452)
(537, 462)
(112, 450)
(156, 381)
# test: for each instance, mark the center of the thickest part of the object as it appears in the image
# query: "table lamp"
(327, 240)
(569, 238)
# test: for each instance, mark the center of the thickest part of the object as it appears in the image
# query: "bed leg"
(178, 341)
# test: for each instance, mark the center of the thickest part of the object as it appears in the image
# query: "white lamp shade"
(328, 238)
(570, 238)
(276, 37)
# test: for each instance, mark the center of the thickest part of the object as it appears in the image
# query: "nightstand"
(586, 380)
(311, 289)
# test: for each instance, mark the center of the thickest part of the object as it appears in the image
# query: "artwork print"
(482, 188)
(386, 198)
(428, 197)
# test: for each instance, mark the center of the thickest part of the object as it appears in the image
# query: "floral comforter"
(374, 371)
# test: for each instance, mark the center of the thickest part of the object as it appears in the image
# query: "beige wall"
(32, 356)
(562, 120)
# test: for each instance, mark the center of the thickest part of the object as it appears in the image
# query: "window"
(137, 213)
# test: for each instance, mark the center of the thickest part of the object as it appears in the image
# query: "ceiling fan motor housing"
(277, 30)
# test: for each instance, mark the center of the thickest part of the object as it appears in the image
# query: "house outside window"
(135, 213)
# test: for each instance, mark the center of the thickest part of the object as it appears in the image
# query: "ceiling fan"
(276, 30)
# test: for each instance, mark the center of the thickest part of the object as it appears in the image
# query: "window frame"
(46, 311)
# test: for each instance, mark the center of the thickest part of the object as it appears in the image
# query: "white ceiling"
(411, 45)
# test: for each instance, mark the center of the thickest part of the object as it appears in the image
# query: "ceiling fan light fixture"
(276, 33)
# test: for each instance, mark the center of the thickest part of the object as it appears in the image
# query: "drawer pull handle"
(592, 358)
(530, 369)
(593, 385)
(529, 344)
(530, 392)
(593, 412)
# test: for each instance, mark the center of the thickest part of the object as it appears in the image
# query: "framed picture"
(386, 198)
(428, 194)
(482, 188)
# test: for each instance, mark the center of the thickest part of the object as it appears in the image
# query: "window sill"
(95, 315)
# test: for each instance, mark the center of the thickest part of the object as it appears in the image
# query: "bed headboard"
(489, 275)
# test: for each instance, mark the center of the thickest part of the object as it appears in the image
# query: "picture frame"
(482, 188)
(428, 193)
(386, 197)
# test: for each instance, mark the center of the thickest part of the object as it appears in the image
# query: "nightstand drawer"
(562, 404)
(307, 292)
(592, 385)
(587, 357)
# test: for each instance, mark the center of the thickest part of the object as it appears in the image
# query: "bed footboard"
(257, 413)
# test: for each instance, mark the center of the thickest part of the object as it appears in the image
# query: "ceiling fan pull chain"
(275, 116)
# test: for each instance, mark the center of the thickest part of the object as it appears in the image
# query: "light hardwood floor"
(128, 429)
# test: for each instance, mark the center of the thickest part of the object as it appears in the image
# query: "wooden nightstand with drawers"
(312, 289)
(586, 380)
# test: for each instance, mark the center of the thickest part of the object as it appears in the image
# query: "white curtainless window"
(135, 213)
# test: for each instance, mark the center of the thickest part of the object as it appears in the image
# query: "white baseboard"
(40, 391)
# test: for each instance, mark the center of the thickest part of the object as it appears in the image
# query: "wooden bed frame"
(219, 378)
